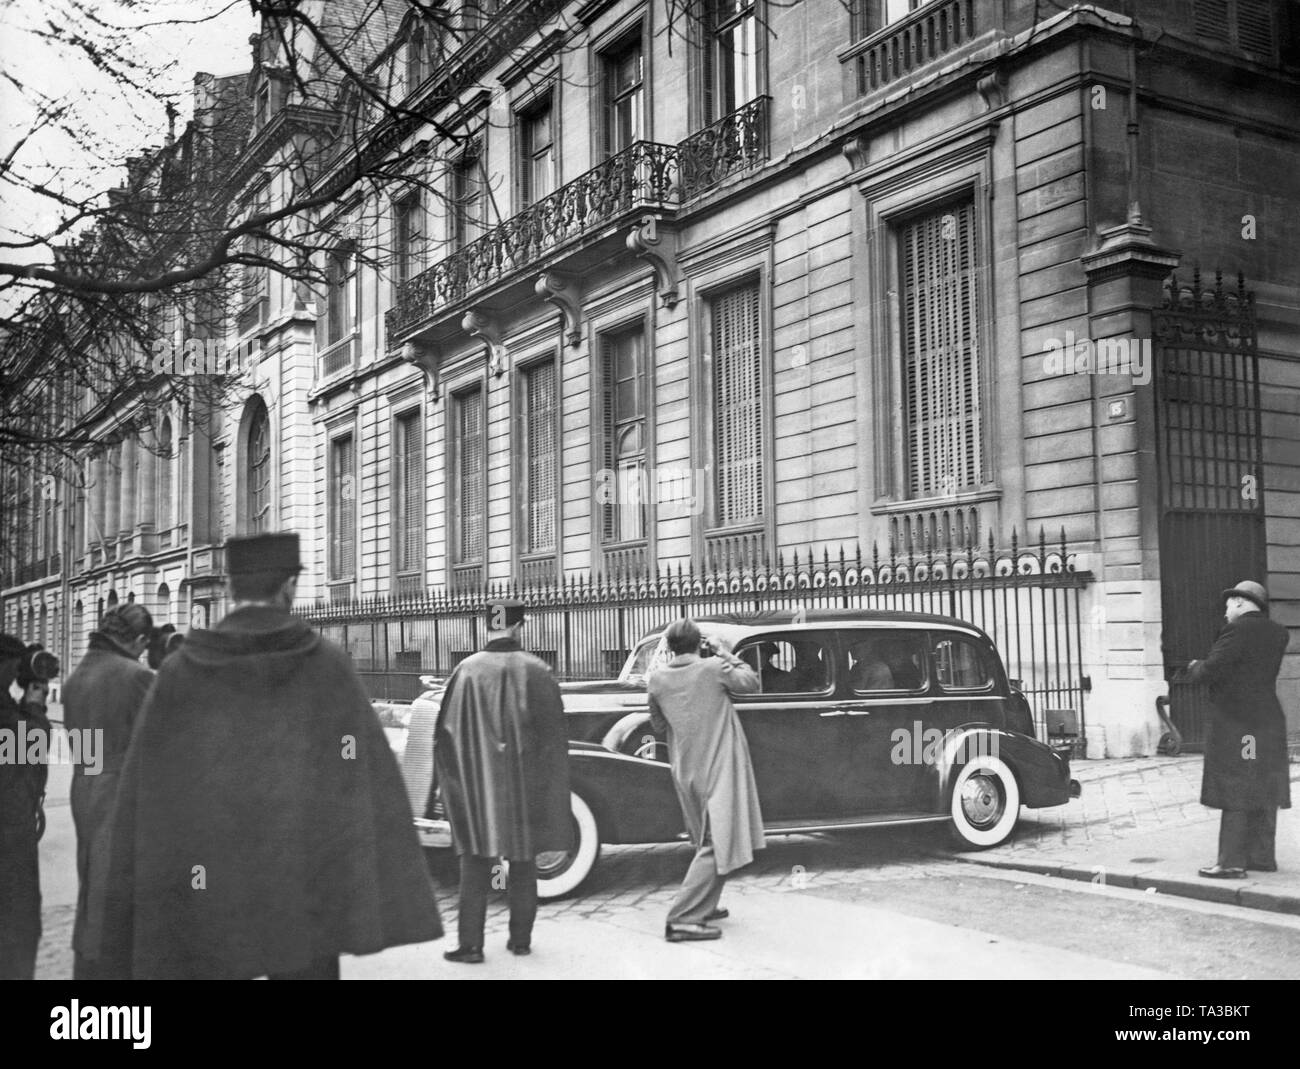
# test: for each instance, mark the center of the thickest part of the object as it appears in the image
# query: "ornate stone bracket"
(562, 291)
(658, 246)
(855, 150)
(481, 325)
(992, 86)
(427, 361)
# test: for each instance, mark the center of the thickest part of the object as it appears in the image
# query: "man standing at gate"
(261, 827)
(502, 756)
(1246, 773)
(690, 702)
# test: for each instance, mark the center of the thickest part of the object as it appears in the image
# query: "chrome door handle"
(858, 712)
(832, 712)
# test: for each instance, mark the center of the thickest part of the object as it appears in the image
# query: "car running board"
(798, 827)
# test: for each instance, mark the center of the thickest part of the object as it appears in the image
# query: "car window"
(886, 660)
(792, 663)
(960, 663)
(638, 665)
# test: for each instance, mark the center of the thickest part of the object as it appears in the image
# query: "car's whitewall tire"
(985, 803)
(559, 873)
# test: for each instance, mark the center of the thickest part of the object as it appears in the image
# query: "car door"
(796, 731)
(886, 703)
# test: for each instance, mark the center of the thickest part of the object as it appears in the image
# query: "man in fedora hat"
(105, 694)
(502, 759)
(261, 825)
(1246, 773)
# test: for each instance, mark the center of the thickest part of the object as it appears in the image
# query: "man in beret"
(1246, 773)
(261, 825)
(104, 693)
(501, 753)
(22, 787)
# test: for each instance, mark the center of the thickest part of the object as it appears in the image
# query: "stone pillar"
(147, 517)
(112, 494)
(1122, 626)
(130, 473)
(98, 476)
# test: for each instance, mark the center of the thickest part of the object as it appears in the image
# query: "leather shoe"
(465, 955)
(690, 933)
(718, 914)
(1270, 866)
(1218, 872)
(518, 949)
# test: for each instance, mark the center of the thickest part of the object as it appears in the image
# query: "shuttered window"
(941, 363)
(623, 513)
(165, 466)
(536, 153)
(259, 471)
(1248, 24)
(408, 492)
(739, 441)
(341, 275)
(342, 508)
(468, 533)
(409, 223)
(540, 457)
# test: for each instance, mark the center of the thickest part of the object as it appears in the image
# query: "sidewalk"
(1140, 824)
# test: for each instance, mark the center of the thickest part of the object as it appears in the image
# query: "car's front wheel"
(561, 871)
(985, 803)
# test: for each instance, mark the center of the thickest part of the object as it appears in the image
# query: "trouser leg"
(20, 891)
(475, 875)
(523, 901)
(84, 968)
(1261, 836)
(324, 969)
(1233, 826)
(700, 891)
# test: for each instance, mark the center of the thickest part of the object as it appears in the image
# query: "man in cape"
(105, 694)
(1246, 773)
(501, 753)
(261, 826)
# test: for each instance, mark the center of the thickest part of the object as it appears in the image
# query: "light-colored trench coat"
(691, 698)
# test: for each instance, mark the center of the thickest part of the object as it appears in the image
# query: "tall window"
(540, 455)
(342, 508)
(622, 379)
(409, 237)
(466, 199)
(739, 444)
(166, 519)
(408, 492)
(872, 15)
(341, 275)
(469, 541)
(1248, 24)
(536, 153)
(259, 471)
(731, 76)
(941, 365)
(262, 105)
(622, 91)
(416, 59)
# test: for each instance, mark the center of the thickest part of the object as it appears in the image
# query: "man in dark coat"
(261, 825)
(501, 752)
(105, 694)
(1246, 773)
(22, 787)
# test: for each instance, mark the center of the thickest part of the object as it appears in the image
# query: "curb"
(1246, 894)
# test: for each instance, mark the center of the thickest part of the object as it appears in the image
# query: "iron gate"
(1209, 445)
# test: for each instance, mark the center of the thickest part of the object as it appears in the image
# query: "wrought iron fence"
(1025, 597)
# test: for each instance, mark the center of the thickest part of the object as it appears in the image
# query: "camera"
(707, 647)
(37, 663)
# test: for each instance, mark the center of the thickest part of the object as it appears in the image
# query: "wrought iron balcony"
(646, 175)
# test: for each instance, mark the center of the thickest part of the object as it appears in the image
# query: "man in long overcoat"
(690, 702)
(501, 752)
(105, 694)
(1246, 773)
(261, 826)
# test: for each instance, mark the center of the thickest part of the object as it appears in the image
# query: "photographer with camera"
(105, 694)
(22, 792)
(690, 702)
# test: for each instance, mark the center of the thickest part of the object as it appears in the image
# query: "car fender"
(623, 730)
(634, 800)
(1042, 774)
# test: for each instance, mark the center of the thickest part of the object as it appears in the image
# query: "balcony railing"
(644, 175)
(927, 33)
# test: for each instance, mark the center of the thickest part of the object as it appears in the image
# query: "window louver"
(342, 510)
(540, 457)
(467, 502)
(738, 443)
(409, 486)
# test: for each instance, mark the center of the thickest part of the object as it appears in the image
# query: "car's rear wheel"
(634, 736)
(985, 803)
(560, 872)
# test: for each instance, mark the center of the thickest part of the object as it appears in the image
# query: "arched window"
(259, 471)
(166, 521)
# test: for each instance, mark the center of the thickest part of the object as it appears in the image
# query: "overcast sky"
(44, 63)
